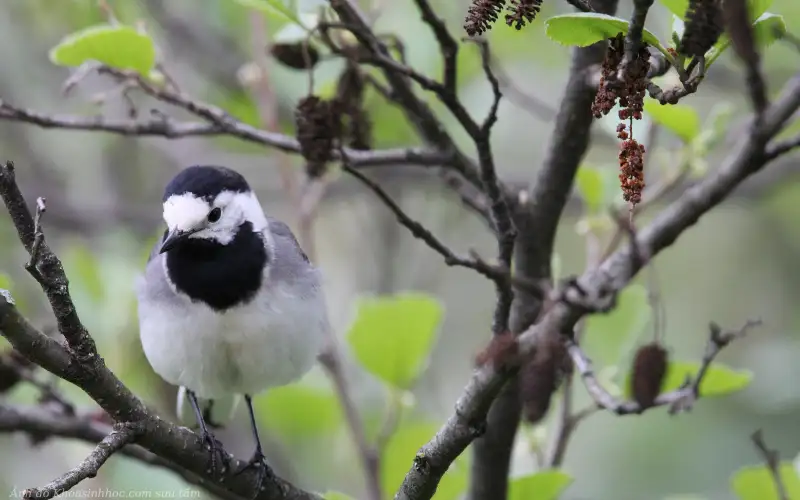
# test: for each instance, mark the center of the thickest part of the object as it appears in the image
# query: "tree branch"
(161, 125)
(633, 40)
(370, 459)
(593, 289)
(419, 114)
(681, 399)
(80, 364)
(40, 423)
(500, 275)
(122, 435)
(537, 222)
(501, 220)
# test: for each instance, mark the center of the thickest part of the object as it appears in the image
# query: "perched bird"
(229, 303)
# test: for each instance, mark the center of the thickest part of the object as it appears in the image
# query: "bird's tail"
(216, 412)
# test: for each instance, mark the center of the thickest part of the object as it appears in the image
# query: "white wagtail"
(229, 303)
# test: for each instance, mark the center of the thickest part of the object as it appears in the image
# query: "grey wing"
(281, 230)
(291, 263)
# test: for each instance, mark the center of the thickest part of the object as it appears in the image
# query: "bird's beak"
(173, 239)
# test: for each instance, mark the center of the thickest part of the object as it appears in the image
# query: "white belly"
(272, 341)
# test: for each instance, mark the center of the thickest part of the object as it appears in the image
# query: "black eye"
(213, 216)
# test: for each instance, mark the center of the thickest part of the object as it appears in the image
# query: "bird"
(229, 305)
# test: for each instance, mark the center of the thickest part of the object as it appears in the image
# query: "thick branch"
(633, 40)
(83, 367)
(536, 223)
(434, 458)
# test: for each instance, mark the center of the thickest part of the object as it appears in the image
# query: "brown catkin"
(649, 369)
(481, 15)
(631, 168)
(703, 26)
(540, 377)
(317, 128)
(501, 349)
(522, 12)
(349, 102)
(300, 55)
(606, 95)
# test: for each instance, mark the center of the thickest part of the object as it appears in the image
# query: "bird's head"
(210, 203)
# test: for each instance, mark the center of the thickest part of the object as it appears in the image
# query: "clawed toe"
(263, 470)
(218, 464)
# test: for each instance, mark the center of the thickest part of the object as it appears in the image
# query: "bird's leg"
(258, 461)
(219, 458)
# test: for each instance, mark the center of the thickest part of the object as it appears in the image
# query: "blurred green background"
(104, 191)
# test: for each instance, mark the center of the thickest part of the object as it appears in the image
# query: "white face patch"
(187, 212)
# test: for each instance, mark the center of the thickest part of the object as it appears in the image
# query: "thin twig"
(161, 125)
(678, 400)
(47, 390)
(780, 148)
(505, 232)
(370, 459)
(447, 44)
(122, 435)
(773, 461)
(497, 274)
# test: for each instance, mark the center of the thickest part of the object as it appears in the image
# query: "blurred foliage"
(544, 485)
(117, 46)
(393, 337)
(718, 381)
(757, 483)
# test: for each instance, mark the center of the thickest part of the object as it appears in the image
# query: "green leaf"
(586, 28)
(336, 495)
(679, 119)
(121, 47)
(299, 410)
(759, 7)
(401, 452)
(719, 379)
(607, 335)
(393, 336)
(767, 29)
(272, 8)
(544, 485)
(756, 483)
(591, 186)
(678, 7)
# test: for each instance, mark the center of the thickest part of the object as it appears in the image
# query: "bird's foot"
(263, 470)
(220, 460)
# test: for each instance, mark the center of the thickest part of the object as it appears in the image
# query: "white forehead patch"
(185, 211)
